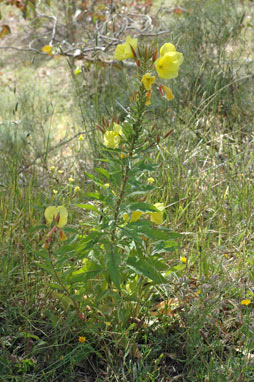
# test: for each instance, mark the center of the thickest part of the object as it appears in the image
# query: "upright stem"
(141, 99)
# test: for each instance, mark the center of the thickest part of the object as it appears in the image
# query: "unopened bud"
(101, 129)
(158, 139)
(168, 133)
(154, 56)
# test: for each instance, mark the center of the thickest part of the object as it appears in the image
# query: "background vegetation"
(195, 328)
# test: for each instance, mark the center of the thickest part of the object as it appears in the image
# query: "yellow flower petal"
(167, 65)
(167, 48)
(71, 180)
(123, 51)
(47, 49)
(117, 129)
(246, 302)
(147, 80)
(111, 139)
(82, 339)
(81, 137)
(135, 215)
(150, 180)
(168, 93)
(58, 214)
(183, 259)
(157, 217)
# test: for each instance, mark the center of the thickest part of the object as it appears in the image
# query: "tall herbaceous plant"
(111, 267)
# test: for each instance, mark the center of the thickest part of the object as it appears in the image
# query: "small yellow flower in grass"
(135, 215)
(107, 185)
(117, 129)
(60, 172)
(47, 49)
(168, 93)
(246, 302)
(198, 292)
(123, 51)
(183, 259)
(150, 180)
(58, 214)
(226, 255)
(107, 323)
(52, 168)
(111, 139)
(157, 217)
(81, 137)
(71, 180)
(167, 65)
(55, 192)
(82, 339)
(122, 156)
(147, 80)
(76, 189)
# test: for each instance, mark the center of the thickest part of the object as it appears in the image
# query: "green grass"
(205, 178)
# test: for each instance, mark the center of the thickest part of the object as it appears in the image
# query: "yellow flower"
(183, 259)
(81, 137)
(58, 214)
(168, 93)
(76, 189)
(47, 49)
(122, 156)
(60, 172)
(71, 180)
(55, 192)
(150, 180)
(106, 185)
(157, 217)
(52, 168)
(117, 129)
(246, 302)
(123, 51)
(82, 339)
(135, 215)
(111, 139)
(198, 292)
(167, 65)
(147, 81)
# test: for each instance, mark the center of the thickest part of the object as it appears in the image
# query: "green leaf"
(145, 207)
(89, 207)
(65, 300)
(146, 268)
(176, 268)
(95, 195)
(103, 172)
(113, 262)
(82, 276)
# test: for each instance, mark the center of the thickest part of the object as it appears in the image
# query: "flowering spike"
(118, 119)
(138, 63)
(103, 120)
(158, 139)
(155, 55)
